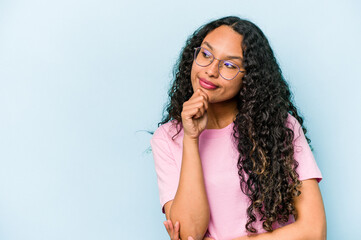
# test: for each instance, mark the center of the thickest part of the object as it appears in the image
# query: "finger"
(197, 93)
(202, 92)
(196, 105)
(203, 97)
(176, 231)
(200, 113)
(190, 238)
(170, 227)
(174, 234)
(202, 104)
(205, 101)
(200, 98)
(194, 113)
(166, 226)
(189, 114)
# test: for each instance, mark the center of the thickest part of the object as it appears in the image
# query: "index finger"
(201, 92)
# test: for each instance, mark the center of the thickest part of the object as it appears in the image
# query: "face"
(225, 44)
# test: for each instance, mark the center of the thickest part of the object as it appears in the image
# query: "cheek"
(239, 84)
(193, 75)
(194, 70)
(234, 89)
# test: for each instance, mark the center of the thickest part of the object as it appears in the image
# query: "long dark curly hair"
(266, 165)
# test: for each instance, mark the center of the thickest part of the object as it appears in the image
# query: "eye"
(206, 54)
(229, 65)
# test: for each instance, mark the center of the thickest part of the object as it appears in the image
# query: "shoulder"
(167, 131)
(293, 124)
(291, 121)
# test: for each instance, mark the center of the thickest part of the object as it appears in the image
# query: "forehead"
(225, 41)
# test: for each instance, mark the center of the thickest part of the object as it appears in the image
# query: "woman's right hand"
(174, 231)
(194, 114)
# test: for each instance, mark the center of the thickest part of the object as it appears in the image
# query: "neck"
(221, 114)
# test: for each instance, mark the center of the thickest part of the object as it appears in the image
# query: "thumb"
(190, 238)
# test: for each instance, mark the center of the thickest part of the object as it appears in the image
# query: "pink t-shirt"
(219, 158)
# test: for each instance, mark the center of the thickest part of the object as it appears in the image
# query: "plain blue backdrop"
(80, 79)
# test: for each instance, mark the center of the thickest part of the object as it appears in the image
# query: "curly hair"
(266, 164)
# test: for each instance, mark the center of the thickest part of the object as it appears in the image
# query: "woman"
(231, 156)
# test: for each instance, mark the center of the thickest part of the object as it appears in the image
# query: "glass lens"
(203, 57)
(228, 69)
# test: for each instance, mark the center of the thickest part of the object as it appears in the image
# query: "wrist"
(190, 139)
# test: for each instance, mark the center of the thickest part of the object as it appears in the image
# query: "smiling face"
(225, 44)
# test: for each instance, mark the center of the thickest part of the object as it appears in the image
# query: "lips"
(206, 84)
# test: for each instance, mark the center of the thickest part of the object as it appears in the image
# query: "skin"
(221, 42)
(310, 224)
(216, 108)
(190, 205)
(207, 108)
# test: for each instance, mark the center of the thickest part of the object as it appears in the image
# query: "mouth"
(206, 84)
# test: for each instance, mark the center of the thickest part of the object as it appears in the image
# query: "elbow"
(321, 230)
(316, 232)
(193, 228)
(191, 225)
(195, 234)
(322, 233)
(318, 235)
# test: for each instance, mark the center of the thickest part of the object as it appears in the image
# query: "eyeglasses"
(227, 69)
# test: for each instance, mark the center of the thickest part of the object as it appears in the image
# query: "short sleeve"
(307, 166)
(165, 166)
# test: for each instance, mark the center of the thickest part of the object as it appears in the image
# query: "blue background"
(80, 79)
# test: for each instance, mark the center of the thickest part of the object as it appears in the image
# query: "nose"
(213, 69)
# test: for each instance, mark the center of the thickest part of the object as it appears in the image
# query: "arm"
(190, 205)
(311, 221)
(173, 231)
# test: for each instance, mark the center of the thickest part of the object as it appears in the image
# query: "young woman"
(231, 154)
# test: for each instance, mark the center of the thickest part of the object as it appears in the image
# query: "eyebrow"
(230, 57)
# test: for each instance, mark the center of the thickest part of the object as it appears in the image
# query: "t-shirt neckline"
(217, 132)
